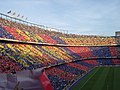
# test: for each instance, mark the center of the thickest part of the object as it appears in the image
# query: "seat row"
(26, 35)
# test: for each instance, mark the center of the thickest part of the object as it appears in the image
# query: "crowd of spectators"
(45, 55)
(65, 74)
(91, 40)
(63, 64)
(8, 65)
(34, 56)
(38, 34)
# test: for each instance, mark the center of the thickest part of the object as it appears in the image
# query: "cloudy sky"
(96, 17)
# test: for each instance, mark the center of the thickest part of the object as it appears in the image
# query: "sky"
(85, 17)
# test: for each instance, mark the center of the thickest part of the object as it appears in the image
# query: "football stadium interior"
(70, 61)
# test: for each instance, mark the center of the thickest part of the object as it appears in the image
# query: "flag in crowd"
(25, 80)
(9, 12)
(22, 16)
(18, 15)
(14, 14)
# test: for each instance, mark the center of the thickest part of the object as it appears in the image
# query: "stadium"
(34, 57)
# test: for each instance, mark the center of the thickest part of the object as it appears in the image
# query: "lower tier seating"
(63, 75)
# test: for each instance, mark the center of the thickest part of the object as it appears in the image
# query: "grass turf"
(101, 78)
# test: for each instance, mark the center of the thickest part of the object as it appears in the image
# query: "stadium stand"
(65, 57)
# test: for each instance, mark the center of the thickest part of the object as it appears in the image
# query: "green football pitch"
(101, 78)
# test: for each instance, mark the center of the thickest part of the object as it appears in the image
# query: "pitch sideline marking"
(88, 80)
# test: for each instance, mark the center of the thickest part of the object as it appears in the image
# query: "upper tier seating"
(24, 32)
(35, 56)
(63, 65)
